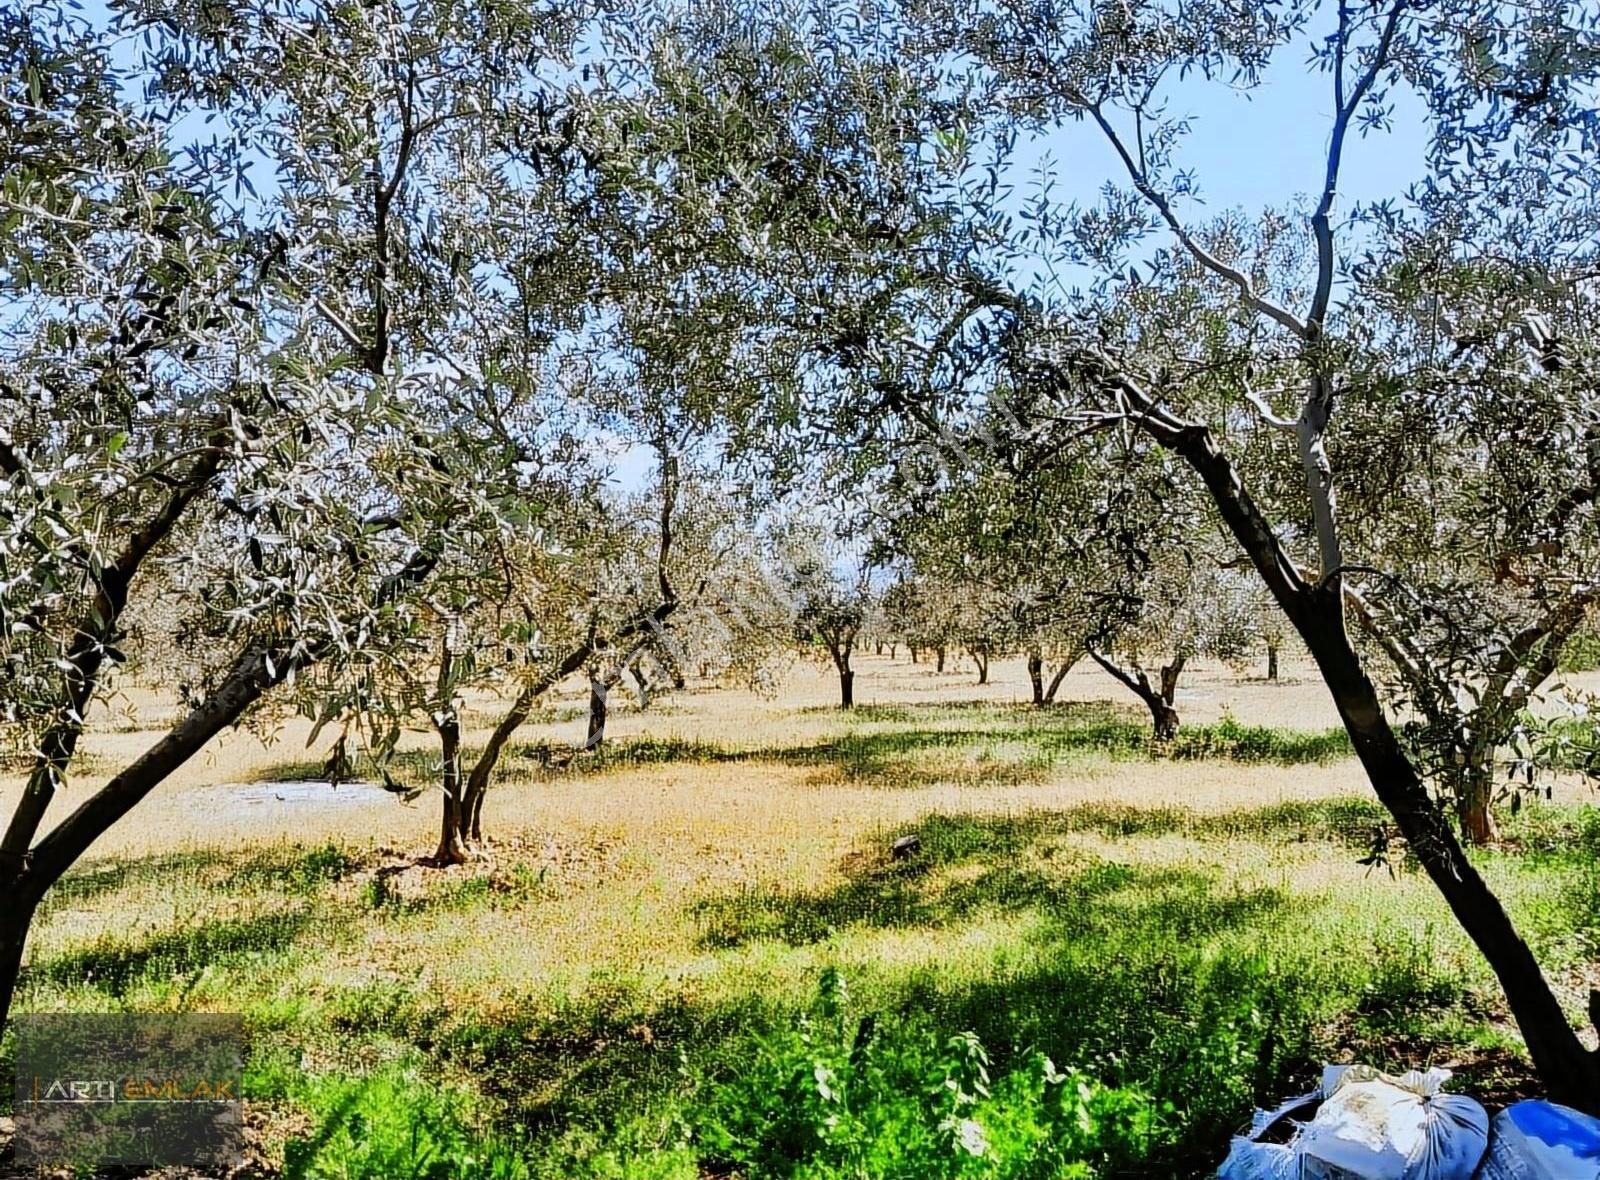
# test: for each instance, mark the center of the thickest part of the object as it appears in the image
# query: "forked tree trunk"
(483, 769)
(1055, 681)
(1163, 719)
(1036, 675)
(1160, 701)
(892, 648)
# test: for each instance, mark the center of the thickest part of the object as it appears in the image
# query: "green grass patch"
(393, 1124)
(1097, 990)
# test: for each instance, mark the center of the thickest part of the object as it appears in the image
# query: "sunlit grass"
(1200, 933)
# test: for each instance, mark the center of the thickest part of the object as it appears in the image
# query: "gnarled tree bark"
(1160, 701)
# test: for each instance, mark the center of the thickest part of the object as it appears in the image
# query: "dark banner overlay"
(97, 1089)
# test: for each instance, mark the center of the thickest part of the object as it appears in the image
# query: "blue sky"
(1257, 148)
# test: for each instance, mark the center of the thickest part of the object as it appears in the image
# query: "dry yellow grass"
(749, 805)
(628, 852)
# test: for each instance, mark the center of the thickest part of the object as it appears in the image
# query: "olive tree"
(1186, 608)
(163, 410)
(830, 592)
(1280, 364)
(1051, 543)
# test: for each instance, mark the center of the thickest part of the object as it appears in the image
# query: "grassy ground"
(695, 957)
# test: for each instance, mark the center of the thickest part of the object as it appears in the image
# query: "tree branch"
(1321, 228)
(87, 655)
(254, 672)
(1211, 262)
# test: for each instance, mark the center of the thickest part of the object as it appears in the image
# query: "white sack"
(1376, 1127)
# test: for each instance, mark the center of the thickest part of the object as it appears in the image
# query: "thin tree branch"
(1210, 261)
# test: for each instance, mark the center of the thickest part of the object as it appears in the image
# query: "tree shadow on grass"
(879, 892)
(1157, 977)
(1016, 873)
(298, 868)
(114, 965)
(1057, 713)
(1164, 978)
(969, 741)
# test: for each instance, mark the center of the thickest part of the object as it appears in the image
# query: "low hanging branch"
(255, 671)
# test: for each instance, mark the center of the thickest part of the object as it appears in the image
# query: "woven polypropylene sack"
(1249, 1158)
(1538, 1140)
(1376, 1127)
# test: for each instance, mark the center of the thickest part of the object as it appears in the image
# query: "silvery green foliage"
(184, 438)
(1443, 331)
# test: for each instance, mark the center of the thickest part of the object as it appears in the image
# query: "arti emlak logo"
(97, 1090)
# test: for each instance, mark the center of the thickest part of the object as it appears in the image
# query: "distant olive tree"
(1187, 609)
(830, 593)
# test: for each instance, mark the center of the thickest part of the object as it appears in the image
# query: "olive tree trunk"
(1159, 700)
(26, 879)
(599, 711)
(29, 867)
(15, 918)
(1475, 802)
(481, 776)
(1054, 686)
(456, 843)
(847, 676)
(1569, 1070)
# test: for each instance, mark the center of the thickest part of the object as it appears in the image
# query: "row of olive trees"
(312, 315)
(993, 567)
(999, 566)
